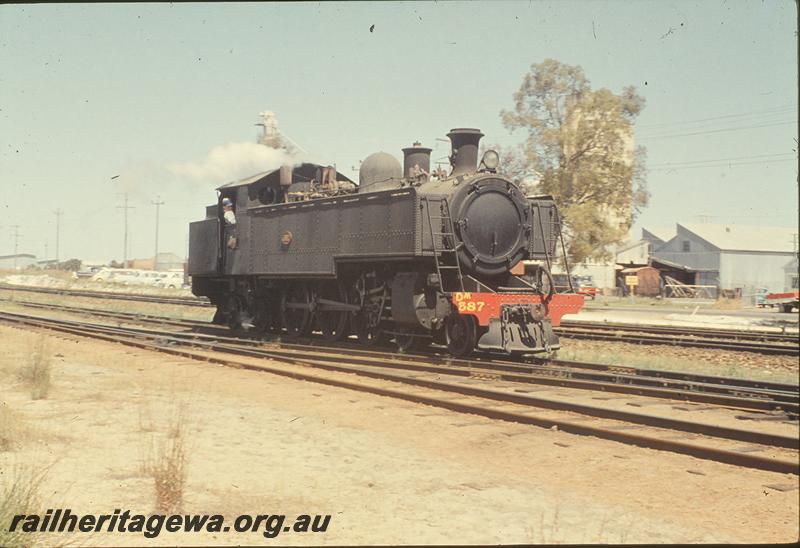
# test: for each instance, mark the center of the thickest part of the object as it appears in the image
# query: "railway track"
(158, 299)
(771, 343)
(712, 339)
(503, 390)
(731, 334)
(736, 393)
(645, 376)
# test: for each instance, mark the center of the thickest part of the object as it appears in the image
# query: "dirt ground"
(387, 471)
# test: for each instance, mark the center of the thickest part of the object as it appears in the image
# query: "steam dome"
(377, 168)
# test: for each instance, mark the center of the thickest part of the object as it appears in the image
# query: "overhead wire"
(762, 112)
(731, 158)
(710, 131)
(724, 164)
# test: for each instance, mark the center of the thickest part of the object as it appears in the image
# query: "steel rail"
(569, 330)
(567, 374)
(184, 301)
(747, 334)
(686, 341)
(710, 451)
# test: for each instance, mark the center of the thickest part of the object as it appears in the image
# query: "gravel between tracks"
(681, 358)
(388, 471)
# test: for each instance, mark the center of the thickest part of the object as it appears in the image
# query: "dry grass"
(12, 429)
(38, 369)
(20, 496)
(727, 304)
(166, 462)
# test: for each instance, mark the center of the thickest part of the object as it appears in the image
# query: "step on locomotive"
(407, 254)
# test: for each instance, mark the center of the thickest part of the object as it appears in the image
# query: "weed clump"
(38, 369)
(20, 496)
(166, 464)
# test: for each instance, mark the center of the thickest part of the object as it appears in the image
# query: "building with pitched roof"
(731, 256)
(18, 261)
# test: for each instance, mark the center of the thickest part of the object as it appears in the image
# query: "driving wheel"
(370, 296)
(332, 323)
(296, 310)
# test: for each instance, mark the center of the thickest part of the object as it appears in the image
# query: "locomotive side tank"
(408, 254)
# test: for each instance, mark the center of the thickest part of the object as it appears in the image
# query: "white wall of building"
(603, 273)
(751, 270)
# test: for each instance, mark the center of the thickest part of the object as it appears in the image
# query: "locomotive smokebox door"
(492, 219)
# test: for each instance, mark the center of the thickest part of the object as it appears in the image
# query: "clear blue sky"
(92, 91)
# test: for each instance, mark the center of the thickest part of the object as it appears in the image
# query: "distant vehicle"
(585, 286)
(785, 301)
(561, 283)
(170, 280)
(126, 276)
(88, 273)
(106, 274)
(143, 277)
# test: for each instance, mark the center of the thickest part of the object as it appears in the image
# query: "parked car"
(170, 280)
(585, 286)
(127, 276)
(143, 277)
(561, 283)
(106, 275)
(88, 273)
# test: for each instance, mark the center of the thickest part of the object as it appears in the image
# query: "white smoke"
(234, 161)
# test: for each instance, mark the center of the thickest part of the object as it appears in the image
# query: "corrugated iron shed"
(769, 239)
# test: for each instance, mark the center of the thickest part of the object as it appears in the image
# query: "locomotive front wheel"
(461, 334)
(296, 311)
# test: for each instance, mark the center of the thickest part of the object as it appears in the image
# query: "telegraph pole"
(158, 203)
(125, 208)
(16, 243)
(58, 212)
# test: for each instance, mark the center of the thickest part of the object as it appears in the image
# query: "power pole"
(125, 208)
(58, 212)
(158, 203)
(16, 243)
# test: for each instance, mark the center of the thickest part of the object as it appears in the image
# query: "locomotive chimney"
(464, 157)
(416, 155)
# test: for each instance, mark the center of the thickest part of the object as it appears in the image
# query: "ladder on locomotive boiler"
(446, 256)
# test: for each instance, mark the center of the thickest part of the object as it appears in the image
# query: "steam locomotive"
(407, 255)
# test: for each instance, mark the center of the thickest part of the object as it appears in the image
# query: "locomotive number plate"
(465, 303)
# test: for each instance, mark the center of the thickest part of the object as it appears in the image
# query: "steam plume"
(233, 161)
